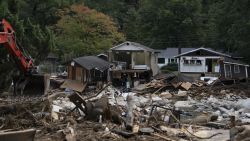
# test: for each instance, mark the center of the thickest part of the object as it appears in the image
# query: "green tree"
(83, 31)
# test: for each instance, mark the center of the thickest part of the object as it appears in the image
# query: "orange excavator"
(28, 81)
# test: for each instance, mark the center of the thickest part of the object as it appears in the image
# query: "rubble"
(164, 109)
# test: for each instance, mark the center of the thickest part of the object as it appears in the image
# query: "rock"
(182, 93)
(213, 117)
(146, 131)
(183, 105)
(156, 98)
(240, 133)
(244, 103)
(166, 95)
(223, 92)
(247, 115)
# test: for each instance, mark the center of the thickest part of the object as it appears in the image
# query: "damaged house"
(87, 70)
(134, 60)
(207, 62)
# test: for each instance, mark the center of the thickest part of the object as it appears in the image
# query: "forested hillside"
(72, 28)
(49, 25)
(223, 25)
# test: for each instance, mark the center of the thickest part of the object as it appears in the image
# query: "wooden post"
(246, 74)
(130, 115)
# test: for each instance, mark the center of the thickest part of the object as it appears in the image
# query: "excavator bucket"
(35, 84)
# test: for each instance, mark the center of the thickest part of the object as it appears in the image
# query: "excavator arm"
(8, 40)
(28, 82)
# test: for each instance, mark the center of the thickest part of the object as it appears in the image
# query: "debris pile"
(163, 109)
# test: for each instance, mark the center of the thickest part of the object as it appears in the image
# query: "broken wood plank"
(186, 85)
(23, 135)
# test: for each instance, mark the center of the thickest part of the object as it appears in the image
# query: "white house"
(167, 55)
(207, 61)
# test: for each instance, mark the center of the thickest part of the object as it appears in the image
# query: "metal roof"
(92, 62)
(131, 46)
(172, 52)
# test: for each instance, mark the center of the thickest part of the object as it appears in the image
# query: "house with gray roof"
(167, 56)
(88, 69)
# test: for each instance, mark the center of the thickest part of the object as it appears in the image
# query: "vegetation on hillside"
(72, 28)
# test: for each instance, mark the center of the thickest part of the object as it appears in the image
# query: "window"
(236, 69)
(198, 62)
(186, 62)
(161, 60)
(193, 62)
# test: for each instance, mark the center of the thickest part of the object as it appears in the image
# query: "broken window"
(236, 69)
(161, 60)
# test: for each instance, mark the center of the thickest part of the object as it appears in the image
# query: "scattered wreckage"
(163, 109)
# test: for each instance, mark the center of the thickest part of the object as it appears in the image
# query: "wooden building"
(133, 61)
(88, 69)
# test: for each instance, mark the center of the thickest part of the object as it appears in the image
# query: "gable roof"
(92, 62)
(172, 52)
(205, 49)
(132, 46)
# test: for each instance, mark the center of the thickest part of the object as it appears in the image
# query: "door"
(209, 64)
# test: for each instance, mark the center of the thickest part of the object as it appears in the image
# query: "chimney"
(179, 50)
